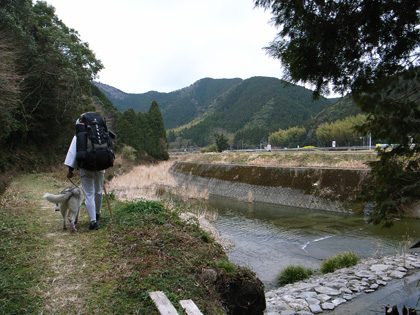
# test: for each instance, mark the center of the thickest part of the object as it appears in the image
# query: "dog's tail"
(57, 198)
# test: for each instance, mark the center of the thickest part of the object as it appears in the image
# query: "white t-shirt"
(71, 155)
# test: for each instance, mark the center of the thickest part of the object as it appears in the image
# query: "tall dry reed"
(152, 182)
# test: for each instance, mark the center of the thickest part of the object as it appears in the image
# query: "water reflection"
(270, 237)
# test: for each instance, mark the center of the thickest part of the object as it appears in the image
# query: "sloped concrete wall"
(315, 188)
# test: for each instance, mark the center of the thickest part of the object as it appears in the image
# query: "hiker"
(91, 151)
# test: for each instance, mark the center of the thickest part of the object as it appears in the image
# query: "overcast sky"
(167, 45)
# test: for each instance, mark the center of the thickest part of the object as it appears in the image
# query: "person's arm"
(70, 172)
(71, 158)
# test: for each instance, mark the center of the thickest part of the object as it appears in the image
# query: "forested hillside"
(178, 107)
(339, 110)
(46, 75)
(45, 83)
(253, 109)
(245, 110)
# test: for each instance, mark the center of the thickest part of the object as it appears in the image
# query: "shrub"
(210, 148)
(128, 153)
(228, 266)
(293, 274)
(341, 260)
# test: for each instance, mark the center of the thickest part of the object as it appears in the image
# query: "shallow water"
(270, 237)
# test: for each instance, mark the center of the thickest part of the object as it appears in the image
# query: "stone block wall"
(314, 188)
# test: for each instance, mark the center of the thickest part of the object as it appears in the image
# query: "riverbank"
(144, 246)
(354, 292)
(292, 158)
(355, 286)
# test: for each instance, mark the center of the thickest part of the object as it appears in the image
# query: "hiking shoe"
(93, 225)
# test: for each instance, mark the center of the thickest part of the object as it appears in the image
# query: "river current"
(269, 237)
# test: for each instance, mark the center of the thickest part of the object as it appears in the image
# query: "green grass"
(22, 248)
(341, 260)
(144, 247)
(293, 274)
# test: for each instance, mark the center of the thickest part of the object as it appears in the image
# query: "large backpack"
(94, 144)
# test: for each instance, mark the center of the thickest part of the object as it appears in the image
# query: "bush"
(128, 153)
(210, 148)
(293, 274)
(341, 260)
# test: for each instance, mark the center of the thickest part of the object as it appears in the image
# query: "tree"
(371, 49)
(158, 140)
(342, 131)
(56, 68)
(221, 142)
(291, 137)
(9, 87)
(129, 131)
(347, 43)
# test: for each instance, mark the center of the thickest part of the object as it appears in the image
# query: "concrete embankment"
(314, 188)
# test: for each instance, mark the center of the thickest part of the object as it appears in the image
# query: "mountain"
(339, 110)
(250, 108)
(179, 107)
(253, 109)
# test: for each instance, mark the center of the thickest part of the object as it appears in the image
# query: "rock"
(362, 274)
(288, 298)
(328, 306)
(348, 297)
(323, 297)
(306, 295)
(327, 290)
(346, 290)
(338, 301)
(242, 292)
(312, 301)
(397, 274)
(315, 308)
(335, 285)
(299, 305)
(209, 274)
(380, 268)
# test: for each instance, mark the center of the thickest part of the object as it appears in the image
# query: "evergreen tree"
(158, 140)
(53, 69)
(221, 142)
(128, 130)
(145, 132)
(371, 49)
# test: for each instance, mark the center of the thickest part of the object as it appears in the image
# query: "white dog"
(68, 203)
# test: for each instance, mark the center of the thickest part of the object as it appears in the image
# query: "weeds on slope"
(145, 247)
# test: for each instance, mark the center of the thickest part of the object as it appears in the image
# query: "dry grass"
(152, 182)
(46, 270)
(320, 159)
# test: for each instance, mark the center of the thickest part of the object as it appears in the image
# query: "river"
(270, 237)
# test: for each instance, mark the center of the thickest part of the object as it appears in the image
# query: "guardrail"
(349, 148)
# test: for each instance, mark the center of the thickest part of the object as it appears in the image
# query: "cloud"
(167, 45)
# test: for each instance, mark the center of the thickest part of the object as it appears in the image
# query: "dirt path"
(66, 280)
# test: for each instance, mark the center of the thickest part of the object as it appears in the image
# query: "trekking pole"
(107, 200)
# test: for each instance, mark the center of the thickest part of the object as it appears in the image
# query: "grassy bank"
(145, 247)
(333, 159)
